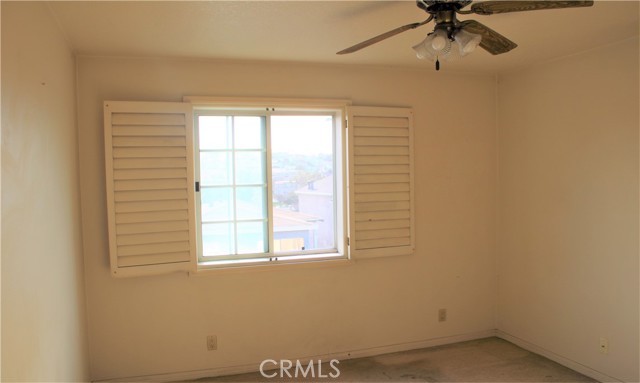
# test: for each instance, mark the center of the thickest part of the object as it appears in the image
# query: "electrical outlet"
(212, 342)
(604, 345)
(442, 315)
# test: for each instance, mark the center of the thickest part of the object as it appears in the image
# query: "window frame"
(267, 108)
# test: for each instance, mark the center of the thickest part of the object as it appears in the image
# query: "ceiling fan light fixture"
(436, 44)
(450, 31)
(467, 42)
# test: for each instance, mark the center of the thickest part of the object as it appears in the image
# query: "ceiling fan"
(454, 38)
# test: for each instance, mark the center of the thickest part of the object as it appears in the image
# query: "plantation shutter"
(381, 219)
(150, 187)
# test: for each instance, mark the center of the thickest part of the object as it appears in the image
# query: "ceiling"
(313, 31)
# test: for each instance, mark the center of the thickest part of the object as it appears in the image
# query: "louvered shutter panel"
(381, 218)
(150, 187)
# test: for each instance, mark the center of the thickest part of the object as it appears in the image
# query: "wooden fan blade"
(491, 7)
(492, 41)
(383, 36)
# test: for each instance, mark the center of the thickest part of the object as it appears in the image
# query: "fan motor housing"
(435, 6)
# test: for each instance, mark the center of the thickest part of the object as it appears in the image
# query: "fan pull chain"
(437, 64)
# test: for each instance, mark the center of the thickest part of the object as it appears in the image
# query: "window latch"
(197, 186)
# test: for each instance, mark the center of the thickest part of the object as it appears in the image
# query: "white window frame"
(276, 107)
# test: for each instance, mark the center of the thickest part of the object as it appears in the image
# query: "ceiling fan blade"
(492, 41)
(383, 36)
(491, 7)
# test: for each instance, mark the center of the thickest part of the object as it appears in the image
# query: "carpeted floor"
(483, 360)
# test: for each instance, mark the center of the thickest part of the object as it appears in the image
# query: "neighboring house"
(317, 199)
(311, 226)
(294, 231)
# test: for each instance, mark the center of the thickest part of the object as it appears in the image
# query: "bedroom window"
(221, 182)
(269, 185)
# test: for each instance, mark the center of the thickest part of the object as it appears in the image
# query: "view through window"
(267, 185)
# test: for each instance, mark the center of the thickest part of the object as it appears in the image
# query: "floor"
(484, 360)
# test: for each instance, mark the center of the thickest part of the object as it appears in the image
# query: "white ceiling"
(313, 31)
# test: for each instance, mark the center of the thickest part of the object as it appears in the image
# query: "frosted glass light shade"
(422, 52)
(467, 42)
(439, 42)
(435, 45)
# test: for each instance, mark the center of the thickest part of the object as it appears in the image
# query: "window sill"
(206, 269)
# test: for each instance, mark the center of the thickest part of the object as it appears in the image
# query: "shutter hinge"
(348, 241)
(197, 186)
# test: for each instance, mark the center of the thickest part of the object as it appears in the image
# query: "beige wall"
(43, 317)
(158, 324)
(567, 263)
(568, 191)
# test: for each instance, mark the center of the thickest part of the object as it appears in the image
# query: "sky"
(302, 134)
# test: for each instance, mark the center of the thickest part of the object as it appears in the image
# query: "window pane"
(214, 132)
(303, 182)
(302, 134)
(233, 175)
(249, 168)
(248, 132)
(215, 168)
(216, 204)
(217, 239)
(250, 203)
(252, 237)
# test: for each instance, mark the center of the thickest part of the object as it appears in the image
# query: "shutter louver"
(150, 198)
(381, 181)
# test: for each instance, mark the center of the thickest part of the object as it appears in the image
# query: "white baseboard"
(581, 368)
(412, 345)
(345, 355)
